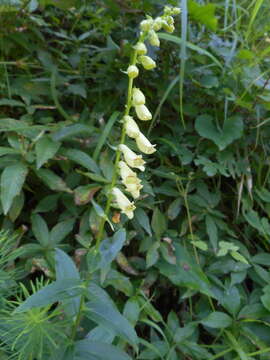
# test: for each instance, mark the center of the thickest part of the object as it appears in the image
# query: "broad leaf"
(45, 149)
(232, 130)
(40, 230)
(217, 320)
(12, 180)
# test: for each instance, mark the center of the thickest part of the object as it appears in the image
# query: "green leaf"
(12, 180)
(82, 159)
(238, 257)
(212, 231)
(111, 318)
(60, 231)
(49, 294)
(204, 14)
(40, 230)
(45, 149)
(199, 50)
(110, 247)
(232, 130)
(143, 220)
(66, 269)
(6, 150)
(159, 224)
(53, 181)
(95, 350)
(71, 131)
(84, 194)
(217, 320)
(152, 255)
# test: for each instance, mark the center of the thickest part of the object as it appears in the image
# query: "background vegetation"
(190, 280)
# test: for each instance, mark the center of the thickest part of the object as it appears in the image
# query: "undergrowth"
(134, 185)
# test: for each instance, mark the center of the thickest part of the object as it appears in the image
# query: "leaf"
(238, 257)
(12, 180)
(110, 318)
(204, 14)
(53, 181)
(199, 50)
(45, 149)
(96, 350)
(40, 230)
(217, 320)
(49, 294)
(174, 209)
(110, 247)
(81, 158)
(152, 255)
(71, 131)
(212, 231)
(60, 231)
(158, 223)
(66, 269)
(6, 150)
(232, 130)
(143, 220)
(84, 194)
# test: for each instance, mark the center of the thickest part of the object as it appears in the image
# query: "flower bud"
(147, 62)
(158, 23)
(143, 113)
(123, 202)
(144, 144)
(138, 97)
(132, 71)
(132, 159)
(153, 38)
(132, 128)
(176, 11)
(170, 20)
(140, 48)
(168, 28)
(146, 25)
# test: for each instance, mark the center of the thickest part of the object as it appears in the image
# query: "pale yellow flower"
(132, 128)
(140, 48)
(144, 144)
(138, 97)
(143, 113)
(147, 62)
(133, 71)
(130, 180)
(132, 159)
(127, 207)
(153, 38)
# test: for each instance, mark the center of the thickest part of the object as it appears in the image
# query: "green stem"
(78, 319)
(117, 157)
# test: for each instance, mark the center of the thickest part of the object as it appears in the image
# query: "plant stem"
(117, 157)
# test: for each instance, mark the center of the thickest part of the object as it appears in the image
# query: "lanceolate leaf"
(57, 291)
(45, 148)
(12, 180)
(96, 350)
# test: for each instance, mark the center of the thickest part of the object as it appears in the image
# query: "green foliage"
(188, 276)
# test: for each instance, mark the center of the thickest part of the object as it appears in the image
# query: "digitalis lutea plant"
(136, 100)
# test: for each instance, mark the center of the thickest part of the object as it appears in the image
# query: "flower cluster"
(136, 99)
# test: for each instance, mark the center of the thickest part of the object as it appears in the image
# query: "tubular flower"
(130, 180)
(124, 204)
(158, 22)
(132, 128)
(146, 25)
(144, 144)
(143, 113)
(147, 62)
(153, 38)
(132, 71)
(140, 48)
(137, 97)
(132, 159)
